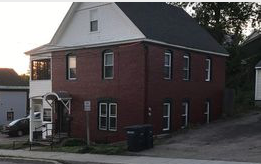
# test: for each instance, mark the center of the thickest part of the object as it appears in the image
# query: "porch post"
(31, 125)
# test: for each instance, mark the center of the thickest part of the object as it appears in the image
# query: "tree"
(225, 19)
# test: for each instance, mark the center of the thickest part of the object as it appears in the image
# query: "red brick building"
(134, 63)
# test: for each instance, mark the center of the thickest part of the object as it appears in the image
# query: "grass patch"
(79, 146)
(18, 145)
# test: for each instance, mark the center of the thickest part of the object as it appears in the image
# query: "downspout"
(146, 112)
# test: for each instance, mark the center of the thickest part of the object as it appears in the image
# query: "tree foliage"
(223, 19)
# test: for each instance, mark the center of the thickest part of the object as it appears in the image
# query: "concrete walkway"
(111, 159)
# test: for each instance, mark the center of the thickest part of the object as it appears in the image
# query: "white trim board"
(60, 48)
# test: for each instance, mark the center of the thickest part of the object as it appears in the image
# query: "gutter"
(61, 48)
(14, 87)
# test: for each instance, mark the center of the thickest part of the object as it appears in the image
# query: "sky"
(24, 26)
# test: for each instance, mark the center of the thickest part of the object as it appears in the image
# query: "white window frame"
(169, 65)
(100, 116)
(208, 70)
(206, 113)
(186, 105)
(68, 66)
(168, 116)
(50, 116)
(108, 65)
(94, 19)
(110, 116)
(188, 67)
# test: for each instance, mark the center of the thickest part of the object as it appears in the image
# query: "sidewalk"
(111, 159)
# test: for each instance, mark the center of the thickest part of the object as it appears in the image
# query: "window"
(108, 116)
(71, 67)
(93, 20)
(10, 116)
(108, 61)
(184, 115)
(166, 116)
(167, 65)
(186, 67)
(47, 115)
(207, 112)
(112, 116)
(208, 70)
(41, 69)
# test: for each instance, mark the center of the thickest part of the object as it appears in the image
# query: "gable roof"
(167, 23)
(9, 78)
(159, 22)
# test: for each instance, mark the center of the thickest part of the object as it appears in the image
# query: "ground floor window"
(10, 116)
(184, 115)
(47, 115)
(166, 116)
(207, 112)
(108, 116)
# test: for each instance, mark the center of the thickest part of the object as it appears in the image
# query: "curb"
(28, 159)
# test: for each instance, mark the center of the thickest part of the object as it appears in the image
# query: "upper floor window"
(93, 20)
(71, 70)
(208, 70)
(108, 62)
(41, 69)
(167, 65)
(186, 67)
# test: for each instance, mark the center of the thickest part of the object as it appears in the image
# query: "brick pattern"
(138, 84)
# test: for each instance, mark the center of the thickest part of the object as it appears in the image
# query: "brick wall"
(197, 90)
(127, 88)
(138, 84)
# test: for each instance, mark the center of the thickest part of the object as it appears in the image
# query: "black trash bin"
(135, 138)
(148, 134)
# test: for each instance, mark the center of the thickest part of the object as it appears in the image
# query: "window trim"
(92, 20)
(207, 111)
(7, 118)
(109, 125)
(68, 66)
(187, 56)
(32, 70)
(108, 52)
(186, 104)
(50, 115)
(168, 53)
(208, 70)
(100, 115)
(168, 116)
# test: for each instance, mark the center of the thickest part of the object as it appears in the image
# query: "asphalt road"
(237, 139)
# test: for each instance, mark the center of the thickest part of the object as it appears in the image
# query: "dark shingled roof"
(8, 77)
(163, 22)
